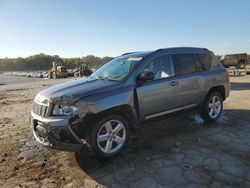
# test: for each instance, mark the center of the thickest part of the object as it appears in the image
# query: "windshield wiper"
(99, 77)
(102, 78)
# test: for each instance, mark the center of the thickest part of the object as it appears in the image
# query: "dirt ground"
(175, 153)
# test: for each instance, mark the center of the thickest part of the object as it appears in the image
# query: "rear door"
(189, 79)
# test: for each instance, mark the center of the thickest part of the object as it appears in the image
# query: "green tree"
(44, 62)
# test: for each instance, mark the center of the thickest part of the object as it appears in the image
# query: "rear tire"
(108, 136)
(212, 107)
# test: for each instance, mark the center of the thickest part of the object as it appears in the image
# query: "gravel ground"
(181, 152)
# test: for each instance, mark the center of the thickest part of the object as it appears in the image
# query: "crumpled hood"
(77, 89)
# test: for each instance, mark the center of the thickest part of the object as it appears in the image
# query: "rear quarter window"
(205, 60)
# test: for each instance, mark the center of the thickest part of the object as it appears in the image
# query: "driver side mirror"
(146, 76)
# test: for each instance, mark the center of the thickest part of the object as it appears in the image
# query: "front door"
(161, 95)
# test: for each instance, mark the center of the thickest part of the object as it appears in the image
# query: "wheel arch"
(123, 110)
(220, 89)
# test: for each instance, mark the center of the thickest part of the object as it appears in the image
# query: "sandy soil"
(173, 153)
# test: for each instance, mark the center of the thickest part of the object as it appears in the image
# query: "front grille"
(39, 109)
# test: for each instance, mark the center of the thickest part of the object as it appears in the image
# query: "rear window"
(184, 63)
(205, 60)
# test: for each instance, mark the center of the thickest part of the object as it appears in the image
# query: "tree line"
(44, 62)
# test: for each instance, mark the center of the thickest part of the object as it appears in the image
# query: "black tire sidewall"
(205, 112)
(93, 132)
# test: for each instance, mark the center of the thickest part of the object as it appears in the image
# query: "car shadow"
(139, 139)
(162, 138)
(167, 139)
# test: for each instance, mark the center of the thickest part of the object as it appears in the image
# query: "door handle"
(174, 83)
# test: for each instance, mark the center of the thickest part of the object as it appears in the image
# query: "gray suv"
(128, 93)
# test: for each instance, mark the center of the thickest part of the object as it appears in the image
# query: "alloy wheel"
(214, 107)
(111, 136)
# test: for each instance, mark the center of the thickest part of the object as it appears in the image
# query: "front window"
(161, 67)
(116, 69)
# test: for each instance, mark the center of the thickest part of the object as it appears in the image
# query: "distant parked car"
(44, 74)
(238, 60)
(72, 72)
(84, 70)
(127, 93)
(29, 74)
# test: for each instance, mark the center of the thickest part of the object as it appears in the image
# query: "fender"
(122, 98)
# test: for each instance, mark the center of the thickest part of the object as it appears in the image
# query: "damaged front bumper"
(55, 132)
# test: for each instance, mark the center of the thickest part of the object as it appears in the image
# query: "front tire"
(212, 107)
(108, 136)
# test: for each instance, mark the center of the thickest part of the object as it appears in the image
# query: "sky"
(109, 28)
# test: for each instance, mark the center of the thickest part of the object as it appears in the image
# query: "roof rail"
(158, 50)
(179, 48)
(129, 53)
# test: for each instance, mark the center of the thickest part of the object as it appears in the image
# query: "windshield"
(116, 69)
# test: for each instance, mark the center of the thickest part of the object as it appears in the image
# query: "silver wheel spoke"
(210, 105)
(108, 127)
(108, 146)
(217, 103)
(217, 110)
(118, 128)
(103, 137)
(211, 112)
(213, 99)
(118, 139)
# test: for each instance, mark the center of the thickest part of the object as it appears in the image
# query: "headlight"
(62, 110)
